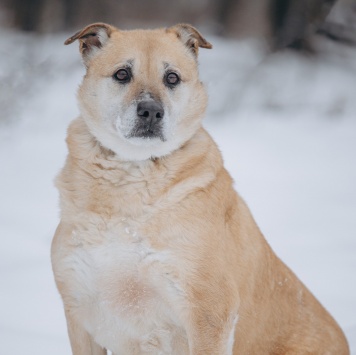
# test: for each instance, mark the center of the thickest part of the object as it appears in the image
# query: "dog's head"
(141, 96)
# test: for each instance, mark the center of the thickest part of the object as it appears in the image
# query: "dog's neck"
(143, 183)
(85, 148)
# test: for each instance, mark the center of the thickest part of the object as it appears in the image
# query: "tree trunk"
(27, 14)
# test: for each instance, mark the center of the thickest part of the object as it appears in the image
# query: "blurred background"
(281, 79)
(281, 22)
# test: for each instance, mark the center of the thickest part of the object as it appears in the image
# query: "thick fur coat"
(155, 252)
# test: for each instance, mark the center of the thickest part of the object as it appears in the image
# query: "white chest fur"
(116, 286)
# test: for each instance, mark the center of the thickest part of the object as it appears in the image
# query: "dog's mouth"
(147, 131)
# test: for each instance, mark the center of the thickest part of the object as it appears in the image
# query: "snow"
(285, 124)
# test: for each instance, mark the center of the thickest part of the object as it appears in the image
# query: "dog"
(155, 252)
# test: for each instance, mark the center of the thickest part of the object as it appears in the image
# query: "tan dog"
(155, 252)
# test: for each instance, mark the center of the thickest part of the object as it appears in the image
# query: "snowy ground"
(286, 126)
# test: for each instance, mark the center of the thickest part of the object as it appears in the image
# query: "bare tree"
(223, 11)
(341, 24)
(293, 21)
(26, 13)
(286, 23)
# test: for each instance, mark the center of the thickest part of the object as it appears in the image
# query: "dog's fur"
(155, 252)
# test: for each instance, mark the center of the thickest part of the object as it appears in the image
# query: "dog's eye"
(123, 75)
(172, 79)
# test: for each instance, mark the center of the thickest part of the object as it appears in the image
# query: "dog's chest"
(115, 284)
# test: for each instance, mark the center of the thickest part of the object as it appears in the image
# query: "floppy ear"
(91, 39)
(190, 36)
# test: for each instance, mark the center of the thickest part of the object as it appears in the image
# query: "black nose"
(150, 111)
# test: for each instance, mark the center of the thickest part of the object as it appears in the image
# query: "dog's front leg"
(211, 336)
(81, 341)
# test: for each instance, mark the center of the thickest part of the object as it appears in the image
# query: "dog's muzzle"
(149, 123)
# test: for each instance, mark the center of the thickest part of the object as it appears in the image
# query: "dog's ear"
(190, 36)
(91, 39)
